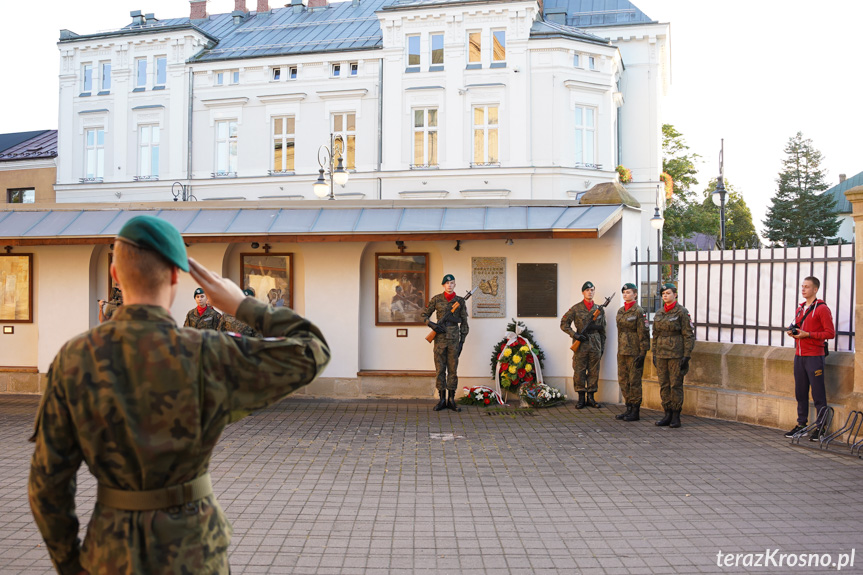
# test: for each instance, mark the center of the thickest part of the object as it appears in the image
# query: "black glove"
(580, 337)
(654, 360)
(684, 366)
(639, 362)
(436, 327)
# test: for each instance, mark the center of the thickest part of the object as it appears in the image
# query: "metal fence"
(750, 295)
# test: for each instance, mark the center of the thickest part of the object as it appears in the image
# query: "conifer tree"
(799, 211)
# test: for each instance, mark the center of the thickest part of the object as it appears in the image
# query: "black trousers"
(809, 373)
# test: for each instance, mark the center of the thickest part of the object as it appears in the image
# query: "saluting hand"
(222, 292)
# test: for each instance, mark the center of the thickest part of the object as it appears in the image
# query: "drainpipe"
(189, 142)
(380, 115)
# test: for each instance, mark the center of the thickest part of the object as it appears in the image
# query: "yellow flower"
(512, 369)
(524, 349)
(516, 359)
(528, 367)
(507, 352)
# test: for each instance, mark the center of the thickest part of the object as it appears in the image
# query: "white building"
(457, 116)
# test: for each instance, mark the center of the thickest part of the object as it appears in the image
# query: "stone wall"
(754, 384)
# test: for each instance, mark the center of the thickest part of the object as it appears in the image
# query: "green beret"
(587, 285)
(249, 292)
(447, 278)
(151, 233)
(199, 291)
(629, 286)
(670, 286)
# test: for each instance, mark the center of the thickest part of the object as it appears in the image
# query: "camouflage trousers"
(446, 364)
(670, 383)
(629, 379)
(585, 367)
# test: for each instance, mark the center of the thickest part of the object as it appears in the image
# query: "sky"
(754, 72)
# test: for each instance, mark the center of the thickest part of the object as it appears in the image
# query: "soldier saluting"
(451, 331)
(591, 334)
(144, 402)
(673, 340)
(203, 315)
(633, 343)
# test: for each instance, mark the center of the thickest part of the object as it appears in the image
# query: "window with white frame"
(141, 73)
(345, 126)
(576, 61)
(485, 135)
(87, 78)
(105, 85)
(148, 151)
(161, 71)
(425, 137)
(585, 137)
(498, 53)
(413, 51)
(292, 73)
(336, 70)
(436, 48)
(224, 77)
(591, 63)
(283, 144)
(474, 47)
(276, 74)
(94, 154)
(355, 68)
(235, 76)
(226, 148)
(219, 78)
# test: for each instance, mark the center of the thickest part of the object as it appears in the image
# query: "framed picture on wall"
(401, 288)
(270, 275)
(16, 288)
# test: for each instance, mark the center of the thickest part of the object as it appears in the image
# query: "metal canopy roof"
(85, 226)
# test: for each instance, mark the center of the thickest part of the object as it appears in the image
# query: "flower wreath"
(480, 395)
(516, 359)
(540, 395)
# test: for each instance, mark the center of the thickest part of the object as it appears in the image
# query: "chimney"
(150, 18)
(318, 4)
(240, 5)
(297, 6)
(842, 178)
(556, 15)
(137, 18)
(199, 9)
(263, 6)
(355, 3)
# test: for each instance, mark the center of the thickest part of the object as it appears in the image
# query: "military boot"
(580, 404)
(625, 413)
(590, 402)
(665, 420)
(450, 402)
(442, 403)
(633, 415)
(675, 419)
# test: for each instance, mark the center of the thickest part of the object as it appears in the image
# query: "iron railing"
(750, 295)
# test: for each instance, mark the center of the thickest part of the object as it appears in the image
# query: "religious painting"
(16, 288)
(401, 289)
(271, 276)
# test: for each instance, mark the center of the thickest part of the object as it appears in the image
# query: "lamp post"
(719, 195)
(657, 221)
(337, 172)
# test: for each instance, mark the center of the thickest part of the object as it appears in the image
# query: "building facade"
(28, 166)
(469, 129)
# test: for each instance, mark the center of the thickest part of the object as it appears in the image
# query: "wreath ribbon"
(471, 392)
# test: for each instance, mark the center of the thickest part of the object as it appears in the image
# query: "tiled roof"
(28, 145)
(587, 13)
(843, 206)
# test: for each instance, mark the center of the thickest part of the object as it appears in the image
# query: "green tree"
(682, 216)
(739, 229)
(799, 212)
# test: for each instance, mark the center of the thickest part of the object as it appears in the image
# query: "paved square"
(386, 487)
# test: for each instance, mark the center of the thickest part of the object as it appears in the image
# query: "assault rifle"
(577, 343)
(447, 319)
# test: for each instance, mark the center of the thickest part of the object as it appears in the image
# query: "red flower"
(529, 358)
(529, 378)
(504, 367)
(486, 401)
(521, 373)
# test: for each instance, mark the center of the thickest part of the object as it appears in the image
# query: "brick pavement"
(392, 487)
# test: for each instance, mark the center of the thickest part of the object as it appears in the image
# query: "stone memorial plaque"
(537, 290)
(490, 275)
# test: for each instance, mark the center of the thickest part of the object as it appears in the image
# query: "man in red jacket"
(813, 325)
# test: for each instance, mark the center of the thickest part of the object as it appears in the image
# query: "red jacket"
(819, 325)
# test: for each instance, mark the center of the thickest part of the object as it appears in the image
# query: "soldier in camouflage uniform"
(673, 340)
(451, 331)
(231, 324)
(633, 343)
(143, 403)
(108, 308)
(203, 316)
(585, 362)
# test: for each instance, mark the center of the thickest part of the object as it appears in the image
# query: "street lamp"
(337, 172)
(656, 222)
(719, 195)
